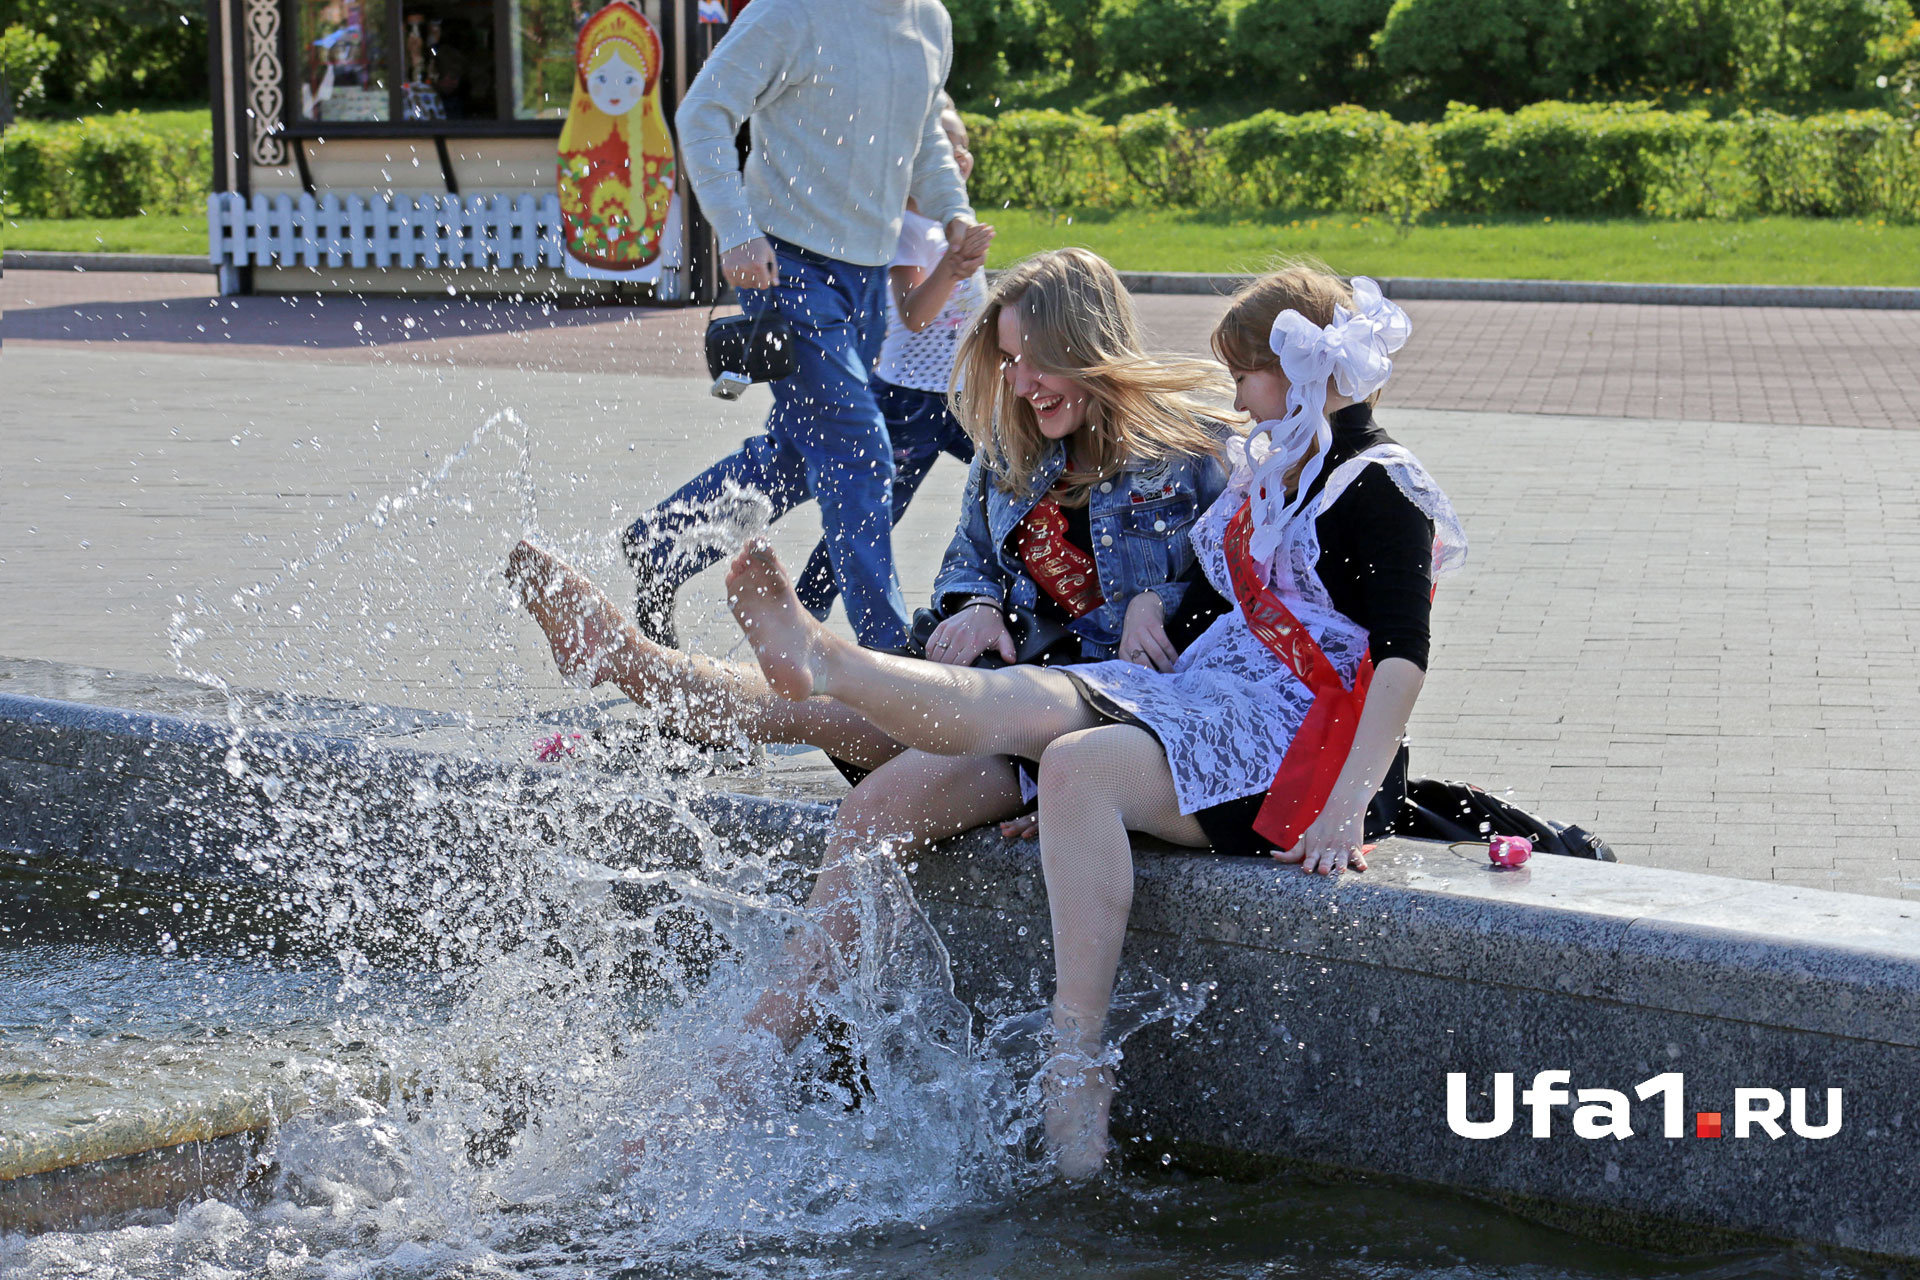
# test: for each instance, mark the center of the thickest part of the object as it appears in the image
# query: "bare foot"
(1079, 1100)
(786, 639)
(582, 625)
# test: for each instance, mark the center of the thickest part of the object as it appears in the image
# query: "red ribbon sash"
(1062, 570)
(1319, 751)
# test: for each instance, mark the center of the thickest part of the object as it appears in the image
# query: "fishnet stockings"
(1096, 785)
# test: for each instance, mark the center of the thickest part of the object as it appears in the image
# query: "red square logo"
(1706, 1124)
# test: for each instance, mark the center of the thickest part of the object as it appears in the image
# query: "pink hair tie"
(1510, 851)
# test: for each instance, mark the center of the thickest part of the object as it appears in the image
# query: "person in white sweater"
(934, 292)
(844, 100)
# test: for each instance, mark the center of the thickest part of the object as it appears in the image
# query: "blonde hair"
(1078, 323)
(1243, 338)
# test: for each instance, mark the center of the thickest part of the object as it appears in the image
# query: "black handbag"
(1459, 811)
(743, 350)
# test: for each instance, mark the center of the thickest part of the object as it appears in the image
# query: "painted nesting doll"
(616, 156)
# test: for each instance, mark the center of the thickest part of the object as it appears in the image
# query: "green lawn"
(172, 233)
(1760, 251)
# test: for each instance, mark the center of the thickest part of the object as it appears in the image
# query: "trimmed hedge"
(1605, 160)
(115, 166)
(1608, 160)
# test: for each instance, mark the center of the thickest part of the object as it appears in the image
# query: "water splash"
(583, 1093)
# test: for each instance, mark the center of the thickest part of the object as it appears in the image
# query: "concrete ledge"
(39, 260)
(1404, 288)
(1409, 288)
(1336, 1012)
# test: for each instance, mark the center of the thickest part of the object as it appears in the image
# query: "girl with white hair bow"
(1273, 730)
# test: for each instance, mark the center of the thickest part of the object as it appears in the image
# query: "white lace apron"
(1228, 710)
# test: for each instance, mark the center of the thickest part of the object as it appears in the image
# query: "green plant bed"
(171, 233)
(1801, 251)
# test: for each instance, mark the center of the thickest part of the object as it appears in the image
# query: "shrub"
(1807, 46)
(118, 50)
(1553, 158)
(1299, 54)
(105, 167)
(1168, 162)
(1042, 160)
(1486, 51)
(1846, 164)
(1173, 44)
(991, 39)
(1557, 157)
(24, 57)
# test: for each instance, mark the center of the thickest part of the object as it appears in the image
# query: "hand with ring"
(1143, 634)
(970, 633)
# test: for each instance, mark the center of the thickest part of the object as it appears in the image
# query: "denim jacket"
(1139, 520)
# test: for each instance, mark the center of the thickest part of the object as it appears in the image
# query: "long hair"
(1079, 323)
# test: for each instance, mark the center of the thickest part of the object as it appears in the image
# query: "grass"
(156, 233)
(165, 117)
(1795, 251)
(1760, 251)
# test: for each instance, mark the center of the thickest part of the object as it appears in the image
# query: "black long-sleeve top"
(1376, 555)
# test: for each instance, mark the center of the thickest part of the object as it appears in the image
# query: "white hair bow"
(1355, 351)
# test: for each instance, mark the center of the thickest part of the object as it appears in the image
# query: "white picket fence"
(485, 229)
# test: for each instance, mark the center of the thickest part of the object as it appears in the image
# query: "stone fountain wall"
(1335, 1011)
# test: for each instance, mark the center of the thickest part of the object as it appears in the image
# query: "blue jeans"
(824, 440)
(921, 428)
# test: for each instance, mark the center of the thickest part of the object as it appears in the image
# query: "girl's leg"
(1096, 785)
(910, 802)
(946, 710)
(697, 698)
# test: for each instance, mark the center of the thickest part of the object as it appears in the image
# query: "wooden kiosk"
(393, 146)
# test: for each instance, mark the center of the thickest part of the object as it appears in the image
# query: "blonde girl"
(1271, 732)
(1093, 461)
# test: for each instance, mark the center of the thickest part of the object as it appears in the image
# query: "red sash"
(1319, 750)
(1062, 570)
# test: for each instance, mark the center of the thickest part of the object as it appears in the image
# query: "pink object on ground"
(547, 750)
(1510, 851)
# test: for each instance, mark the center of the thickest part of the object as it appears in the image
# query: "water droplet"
(235, 765)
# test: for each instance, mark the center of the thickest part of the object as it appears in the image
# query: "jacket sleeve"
(747, 70)
(971, 566)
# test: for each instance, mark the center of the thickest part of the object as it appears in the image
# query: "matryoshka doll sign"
(619, 218)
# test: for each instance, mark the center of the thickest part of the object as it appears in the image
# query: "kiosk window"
(543, 36)
(449, 61)
(343, 60)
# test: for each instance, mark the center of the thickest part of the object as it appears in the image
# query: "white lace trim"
(1228, 710)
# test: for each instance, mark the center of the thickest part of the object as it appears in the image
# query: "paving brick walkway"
(1789, 365)
(1696, 634)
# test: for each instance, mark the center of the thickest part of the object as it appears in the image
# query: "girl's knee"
(874, 811)
(1077, 765)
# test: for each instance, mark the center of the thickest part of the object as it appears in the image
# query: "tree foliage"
(116, 52)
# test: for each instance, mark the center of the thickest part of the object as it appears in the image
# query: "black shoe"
(843, 1067)
(653, 598)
